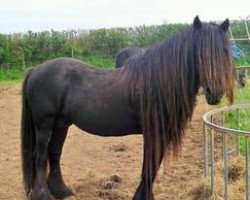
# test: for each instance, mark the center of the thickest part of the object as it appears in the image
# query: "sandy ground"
(98, 168)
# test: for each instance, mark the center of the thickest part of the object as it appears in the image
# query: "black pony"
(126, 53)
(153, 94)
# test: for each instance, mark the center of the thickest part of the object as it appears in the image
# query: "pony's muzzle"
(213, 101)
(213, 98)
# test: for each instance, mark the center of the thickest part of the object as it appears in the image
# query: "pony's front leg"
(40, 190)
(152, 158)
(144, 191)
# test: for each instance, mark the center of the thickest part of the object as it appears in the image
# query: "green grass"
(242, 97)
(11, 75)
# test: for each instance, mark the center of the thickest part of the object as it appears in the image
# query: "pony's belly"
(109, 128)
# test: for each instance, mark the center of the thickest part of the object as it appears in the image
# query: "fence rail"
(214, 126)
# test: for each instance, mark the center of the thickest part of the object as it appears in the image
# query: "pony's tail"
(27, 141)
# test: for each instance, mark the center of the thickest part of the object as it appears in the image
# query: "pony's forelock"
(214, 61)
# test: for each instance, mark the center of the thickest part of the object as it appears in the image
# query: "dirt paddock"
(98, 168)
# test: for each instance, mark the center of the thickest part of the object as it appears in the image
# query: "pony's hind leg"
(42, 133)
(55, 180)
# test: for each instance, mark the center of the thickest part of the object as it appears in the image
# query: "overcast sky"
(37, 15)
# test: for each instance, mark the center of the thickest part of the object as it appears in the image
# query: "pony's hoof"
(61, 192)
(57, 186)
(41, 195)
(70, 198)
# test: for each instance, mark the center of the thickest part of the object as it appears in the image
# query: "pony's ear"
(197, 23)
(224, 26)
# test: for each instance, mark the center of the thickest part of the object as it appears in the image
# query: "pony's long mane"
(165, 80)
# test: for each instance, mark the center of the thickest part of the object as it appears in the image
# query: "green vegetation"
(242, 97)
(13, 75)
(30, 49)
(9, 75)
(96, 47)
(19, 51)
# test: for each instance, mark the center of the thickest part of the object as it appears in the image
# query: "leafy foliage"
(97, 47)
(30, 49)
